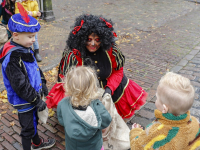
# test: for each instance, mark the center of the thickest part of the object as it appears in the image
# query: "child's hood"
(10, 47)
(7, 48)
(78, 129)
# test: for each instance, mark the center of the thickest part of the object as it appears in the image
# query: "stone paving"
(155, 36)
(189, 67)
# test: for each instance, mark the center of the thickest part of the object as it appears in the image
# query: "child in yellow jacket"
(174, 127)
(31, 6)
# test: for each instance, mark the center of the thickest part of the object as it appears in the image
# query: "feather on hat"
(22, 22)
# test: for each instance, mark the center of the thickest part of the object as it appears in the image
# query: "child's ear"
(165, 109)
(15, 35)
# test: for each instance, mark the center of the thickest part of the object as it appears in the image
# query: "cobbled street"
(155, 36)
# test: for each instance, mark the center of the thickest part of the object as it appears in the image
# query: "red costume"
(126, 94)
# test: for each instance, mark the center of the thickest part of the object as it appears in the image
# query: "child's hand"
(38, 14)
(135, 125)
(30, 13)
(104, 131)
(105, 139)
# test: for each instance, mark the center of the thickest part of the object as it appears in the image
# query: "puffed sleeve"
(16, 8)
(35, 9)
(116, 76)
(68, 60)
(117, 58)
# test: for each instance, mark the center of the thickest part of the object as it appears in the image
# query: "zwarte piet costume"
(108, 61)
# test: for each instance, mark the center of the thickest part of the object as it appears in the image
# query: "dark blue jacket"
(21, 76)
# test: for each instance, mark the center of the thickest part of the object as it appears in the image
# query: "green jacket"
(79, 135)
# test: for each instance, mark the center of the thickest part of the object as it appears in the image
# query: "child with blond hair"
(81, 113)
(174, 127)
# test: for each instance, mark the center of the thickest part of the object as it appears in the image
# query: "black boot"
(37, 55)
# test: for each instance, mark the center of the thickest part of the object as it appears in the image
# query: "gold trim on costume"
(138, 97)
(114, 54)
(59, 82)
(74, 60)
(23, 24)
(102, 84)
(119, 57)
(123, 91)
(129, 113)
(21, 104)
(110, 63)
(68, 64)
(135, 102)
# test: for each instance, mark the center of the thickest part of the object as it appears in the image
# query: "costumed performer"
(92, 43)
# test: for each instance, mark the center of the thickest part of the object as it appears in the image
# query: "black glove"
(107, 90)
(41, 105)
(44, 89)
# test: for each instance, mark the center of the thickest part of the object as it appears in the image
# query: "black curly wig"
(92, 24)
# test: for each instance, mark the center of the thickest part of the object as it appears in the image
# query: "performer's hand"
(135, 125)
(107, 90)
(41, 105)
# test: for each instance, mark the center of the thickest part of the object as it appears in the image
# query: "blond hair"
(176, 92)
(82, 85)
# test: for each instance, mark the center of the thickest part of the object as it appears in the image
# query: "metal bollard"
(46, 10)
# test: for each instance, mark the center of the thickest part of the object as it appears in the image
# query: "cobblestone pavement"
(189, 67)
(155, 36)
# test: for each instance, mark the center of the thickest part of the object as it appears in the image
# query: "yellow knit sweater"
(29, 5)
(168, 132)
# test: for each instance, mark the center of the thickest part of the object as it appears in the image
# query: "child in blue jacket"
(23, 79)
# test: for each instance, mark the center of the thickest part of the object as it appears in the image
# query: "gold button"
(37, 69)
(94, 53)
(95, 62)
(40, 84)
(32, 53)
(98, 70)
